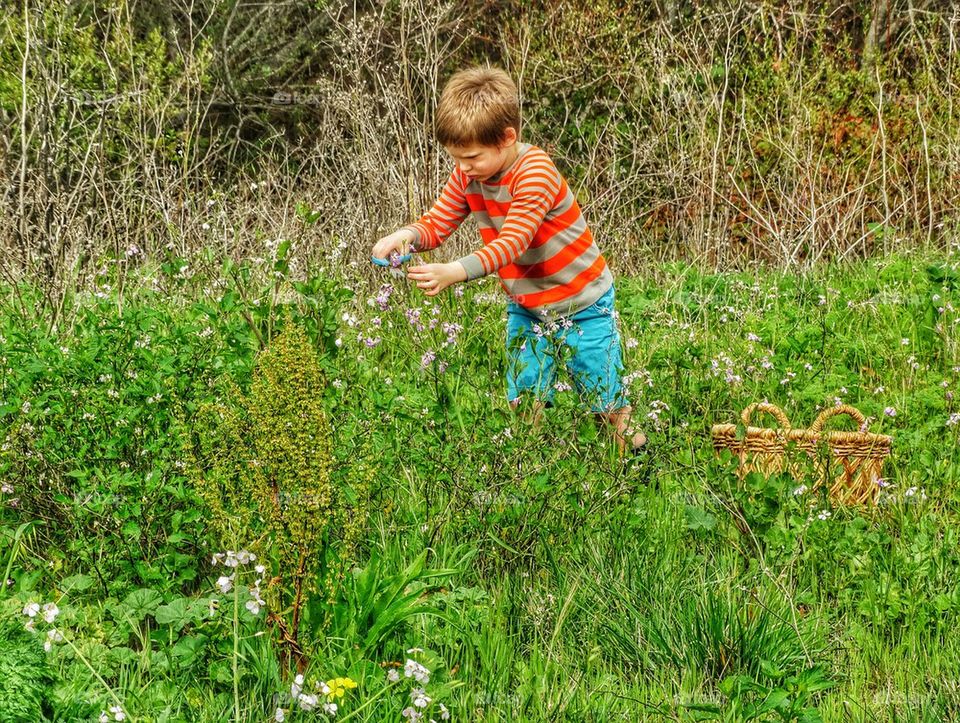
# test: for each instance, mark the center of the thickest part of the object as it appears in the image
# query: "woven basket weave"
(850, 463)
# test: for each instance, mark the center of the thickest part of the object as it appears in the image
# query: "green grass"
(555, 581)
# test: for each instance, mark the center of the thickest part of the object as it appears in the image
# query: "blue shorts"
(587, 343)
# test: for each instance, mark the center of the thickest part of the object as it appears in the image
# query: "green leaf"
(188, 648)
(220, 671)
(76, 582)
(809, 715)
(176, 613)
(122, 655)
(773, 701)
(698, 519)
(703, 708)
(142, 602)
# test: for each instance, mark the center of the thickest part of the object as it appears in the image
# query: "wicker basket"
(851, 463)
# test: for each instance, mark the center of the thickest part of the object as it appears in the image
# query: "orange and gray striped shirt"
(533, 232)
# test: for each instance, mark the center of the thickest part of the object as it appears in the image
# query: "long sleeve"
(534, 193)
(447, 214)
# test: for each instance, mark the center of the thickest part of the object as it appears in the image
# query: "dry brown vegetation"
(717, 132)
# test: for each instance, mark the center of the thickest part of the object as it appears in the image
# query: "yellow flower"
(339, 686)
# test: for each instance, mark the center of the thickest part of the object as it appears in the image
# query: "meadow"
(246, 476)
(231, 492)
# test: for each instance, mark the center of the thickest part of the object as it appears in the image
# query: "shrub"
(263, 462)
(24, 674)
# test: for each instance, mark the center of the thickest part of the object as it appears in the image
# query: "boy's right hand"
(398, 241)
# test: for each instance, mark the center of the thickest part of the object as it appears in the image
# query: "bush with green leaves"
(25, 675)
(263, 463)
(90, 424)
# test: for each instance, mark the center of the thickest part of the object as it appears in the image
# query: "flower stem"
(77, 652)
(236, 651)
(14, 549)
(370, 700)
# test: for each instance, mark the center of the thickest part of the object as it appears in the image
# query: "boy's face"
(481, 162)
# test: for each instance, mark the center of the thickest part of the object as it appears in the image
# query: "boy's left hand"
(434, 278)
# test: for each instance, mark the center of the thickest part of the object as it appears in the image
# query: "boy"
(534, 237)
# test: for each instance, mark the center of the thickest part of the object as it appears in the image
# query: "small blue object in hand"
(393, 261)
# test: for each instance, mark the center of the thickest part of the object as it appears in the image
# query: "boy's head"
(477, 107)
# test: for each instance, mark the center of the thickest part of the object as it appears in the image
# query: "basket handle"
(769, 409)
(834, 411)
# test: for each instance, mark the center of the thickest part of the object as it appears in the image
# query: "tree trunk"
(876, 34)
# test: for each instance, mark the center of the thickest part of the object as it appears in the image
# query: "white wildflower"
(420, 698)
(413, 669)
(296, 686)
(307, 702)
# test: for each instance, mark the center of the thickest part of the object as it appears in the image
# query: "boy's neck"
(513, 152)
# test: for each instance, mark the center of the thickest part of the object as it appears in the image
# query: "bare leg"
(534, 415)
(627, 437)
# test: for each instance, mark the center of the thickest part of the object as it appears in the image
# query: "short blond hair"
(476, 107)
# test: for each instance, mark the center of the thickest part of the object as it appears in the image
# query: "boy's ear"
(509, 137)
